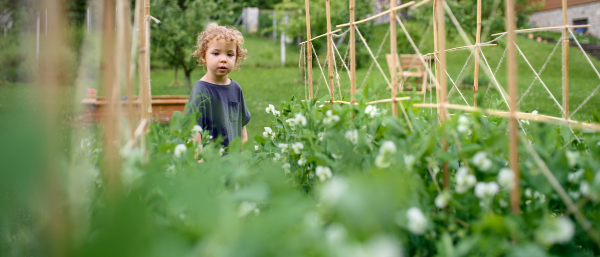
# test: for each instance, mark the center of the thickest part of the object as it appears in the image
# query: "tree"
(174, 39)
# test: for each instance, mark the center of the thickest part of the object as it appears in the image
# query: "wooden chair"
(409, 68)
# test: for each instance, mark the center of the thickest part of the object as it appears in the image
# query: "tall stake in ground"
(394, 57)
(308, 51)
(565, 58)
(142, 52)
(477, 41)
(329, 52)
(352, 53)
(512, 92)
(435, 62)
(441, 42)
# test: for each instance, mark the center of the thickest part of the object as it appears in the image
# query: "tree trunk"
(176, 82)
(188, 81)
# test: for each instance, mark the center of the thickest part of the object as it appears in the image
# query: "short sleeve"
(245, 113)
(197, 103)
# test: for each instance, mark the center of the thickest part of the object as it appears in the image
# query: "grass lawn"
(265, 82)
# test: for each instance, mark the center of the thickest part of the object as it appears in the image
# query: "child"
(217, 98)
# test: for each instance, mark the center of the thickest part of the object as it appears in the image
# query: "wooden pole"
(512, 91)
(477, 49)
(309, 50)
(352, 53)
(435, 62)
(565, 61)
(441, 41)
(148, 107)
(394, 55)
(141, 56)
(329, 52)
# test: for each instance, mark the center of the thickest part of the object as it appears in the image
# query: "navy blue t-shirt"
(222, 109)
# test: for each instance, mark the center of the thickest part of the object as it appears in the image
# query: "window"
(581, 22)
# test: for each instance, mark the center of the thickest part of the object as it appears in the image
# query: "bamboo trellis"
(442, 105)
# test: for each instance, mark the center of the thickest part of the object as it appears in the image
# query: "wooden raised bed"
(163, 107)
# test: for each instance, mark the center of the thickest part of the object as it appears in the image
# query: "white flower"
(539, 196)
(464, 180)
(334, 190)
(196, 130)
(574, 194)
(441, 201)
(284, 147)
(481, 161)
(528, 192)
(179, 150)
(485, 190)
(300, 119)
(330, 117)
(383, 160)
(463, 124)
(271, 109)
(387, 147)
(277, 157)
(256, 147)
(352, 136)
(417, 223)
(382, 246)
(247, 207)
(506, 178)
(574, 177)
(276, 113)
(534, 112)
(371, 111)
(269, 133)
(572, 158)
(556, 230)
(221, 151)
(323, 173)
(297, 147)
(336, 156)
(286, 168)
(310, 175)
(321, 136)
(291, 121)
(409, 160)
(584, 188)
(302, 161)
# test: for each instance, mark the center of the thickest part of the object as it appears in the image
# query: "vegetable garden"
(346, 177)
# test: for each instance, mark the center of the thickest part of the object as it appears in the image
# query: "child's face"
(220, 57)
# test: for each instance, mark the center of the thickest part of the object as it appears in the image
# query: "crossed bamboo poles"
(442, 105)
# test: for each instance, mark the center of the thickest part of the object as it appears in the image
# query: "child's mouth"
(222, 68)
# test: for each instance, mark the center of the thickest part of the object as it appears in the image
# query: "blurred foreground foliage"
(361, 186)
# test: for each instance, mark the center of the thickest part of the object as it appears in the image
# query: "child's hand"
(201, 161)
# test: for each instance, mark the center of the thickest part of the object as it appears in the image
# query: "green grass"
(264, 81)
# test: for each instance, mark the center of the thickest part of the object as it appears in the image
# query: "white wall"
(550, 18)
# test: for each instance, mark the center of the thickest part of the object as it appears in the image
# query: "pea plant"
(332, 153)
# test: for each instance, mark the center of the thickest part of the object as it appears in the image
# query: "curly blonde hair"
(213, 31)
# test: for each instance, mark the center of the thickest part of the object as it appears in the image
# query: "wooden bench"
(409, 68)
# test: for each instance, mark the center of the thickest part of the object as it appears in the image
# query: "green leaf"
(259, 139)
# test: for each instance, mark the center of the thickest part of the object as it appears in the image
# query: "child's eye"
(215, 54)
(230, 55)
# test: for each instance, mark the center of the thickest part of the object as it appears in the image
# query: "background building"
(579, 12)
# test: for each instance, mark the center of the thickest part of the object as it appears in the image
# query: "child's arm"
(198, 141)
(244, 135)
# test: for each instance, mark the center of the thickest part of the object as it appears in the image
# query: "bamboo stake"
(132, 114)
(477, 42)
(460, 48)
(394, 57)
(435, 50)
(512, 89)
(542, 29)
(309, 51)
(53, 213)
(143, 51)
(329, 52)
(379, 14)
(148, 96)
(326, 34)
(519, 115)
(352, 53)
(442, 82)
(565, 58)
(122, 58)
